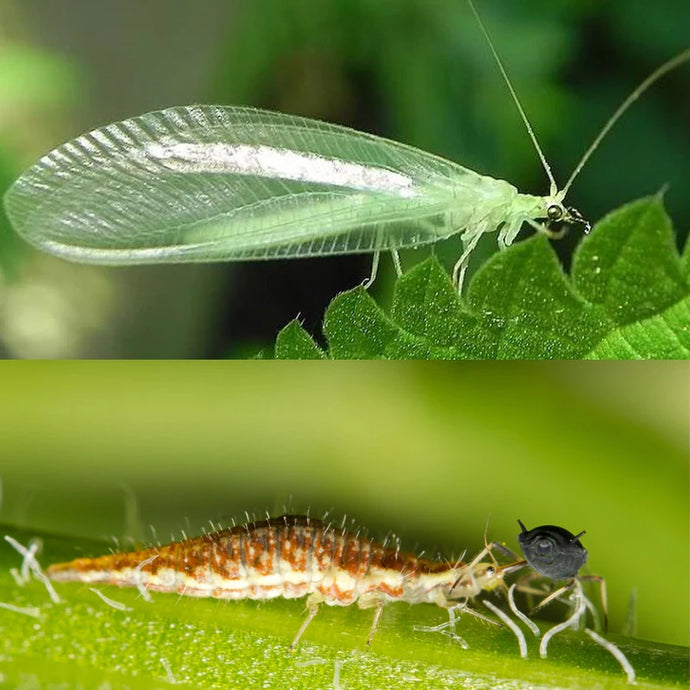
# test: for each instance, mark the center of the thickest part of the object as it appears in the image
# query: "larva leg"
(313, 601)
(371, 600)
(375, 623)
(396, 262)
(374, 270)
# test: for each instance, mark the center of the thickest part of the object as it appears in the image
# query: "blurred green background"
(417, 71)
(427, 451)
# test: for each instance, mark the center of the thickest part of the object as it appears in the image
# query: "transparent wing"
(206, 183)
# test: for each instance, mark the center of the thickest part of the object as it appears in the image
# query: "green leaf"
(521, 305)
(686, 259)
(293, 342)
(84, 642)
(525, 300)
(630, 264)
(357, 329)
(665, 336)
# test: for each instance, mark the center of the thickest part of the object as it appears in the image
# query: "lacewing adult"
(222, 183)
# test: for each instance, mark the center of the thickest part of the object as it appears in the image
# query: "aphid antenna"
(553, 187)
(683, 56)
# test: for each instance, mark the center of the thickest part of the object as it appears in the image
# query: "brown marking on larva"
(304, 552)
(351, 555)
(337, 551)
(388, 559)
(342, 596)
(393, 592)
(323, 549)
(230, 561)
(292, 590)
(364, 560)
(256, 552)
(271, 550)
(296, 556)
(307, 549)
(263, 592)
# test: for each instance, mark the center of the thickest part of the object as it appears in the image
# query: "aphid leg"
(513, 607)
(396, 262)
(604, 598)
(32, 611)
(615, 652)
(572, 622)
(522, 643)
(524, 586)
(596, 621)
(313, 601)
(168, 671)
(374, 270)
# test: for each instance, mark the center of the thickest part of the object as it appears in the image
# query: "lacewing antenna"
(683, 56)
(553, 186)
(659, 72)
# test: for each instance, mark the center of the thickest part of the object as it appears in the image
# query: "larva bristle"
(287, 556)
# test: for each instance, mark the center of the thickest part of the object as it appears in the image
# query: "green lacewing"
(222, 183)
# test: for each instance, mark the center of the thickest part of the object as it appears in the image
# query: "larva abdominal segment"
(290, 557)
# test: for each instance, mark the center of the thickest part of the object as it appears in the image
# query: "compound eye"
(544, 546)
(490, 571)
(554, 212)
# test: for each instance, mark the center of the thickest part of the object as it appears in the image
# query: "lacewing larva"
(216, 183)
(291, 556)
